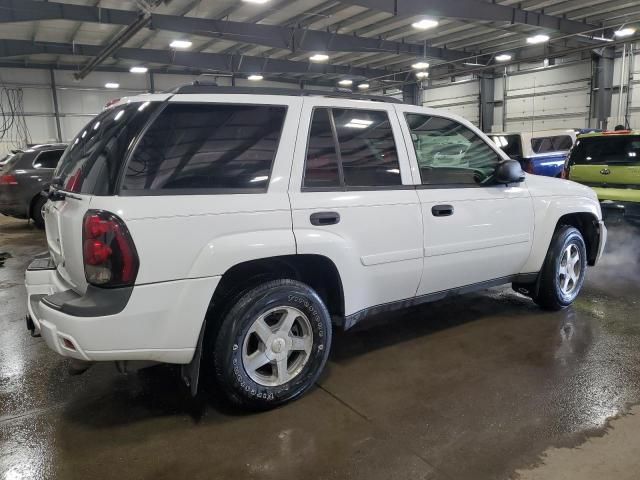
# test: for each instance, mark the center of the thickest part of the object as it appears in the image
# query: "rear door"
(353, 200)
(89, 166)
(474, 230)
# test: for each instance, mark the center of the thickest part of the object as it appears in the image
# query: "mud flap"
(191, 372)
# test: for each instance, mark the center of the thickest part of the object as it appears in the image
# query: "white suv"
(237, 225)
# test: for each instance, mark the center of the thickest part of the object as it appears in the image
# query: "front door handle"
(322, 219)
(442, 210)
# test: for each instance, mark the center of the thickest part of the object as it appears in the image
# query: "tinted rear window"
(48, 159)
(607, 150)
(509, 144)
(93, 159)
(194, 147)
(557, 143)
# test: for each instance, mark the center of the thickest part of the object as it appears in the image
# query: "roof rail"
(198, 87)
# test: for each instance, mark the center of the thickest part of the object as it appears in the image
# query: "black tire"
(550, 294)
(231, 374)
(36, 211)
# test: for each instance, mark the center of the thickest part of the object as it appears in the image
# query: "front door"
(475, 231)
(353, 200)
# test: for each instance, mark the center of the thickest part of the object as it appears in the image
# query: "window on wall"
(207, 146)
(449, 153)
(351, 148)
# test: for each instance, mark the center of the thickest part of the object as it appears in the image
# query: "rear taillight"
(527, 166)
(565, 172)
(110, 257)
(8, 179)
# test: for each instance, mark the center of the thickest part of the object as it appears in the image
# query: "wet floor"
(475, 387)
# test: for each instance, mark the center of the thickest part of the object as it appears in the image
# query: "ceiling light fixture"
(420, 65)
(422, 75)
(319, 57)
(540, 38)
(425, 23)
(363, 86)
(625, 32)
(259, 2)
(182, 44)
(111, 85)
(138, 69)
(503, 57)
(255, 78)
(346, 82)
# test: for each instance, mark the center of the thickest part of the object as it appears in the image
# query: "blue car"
(540, 153)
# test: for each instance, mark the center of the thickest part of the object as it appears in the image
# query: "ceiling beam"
(290, 38)
(475, 10)
(197, 60)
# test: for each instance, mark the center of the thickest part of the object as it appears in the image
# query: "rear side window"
(92, 162)
(606, 150)
(556, 143)
(48, 159)
(509, 144)
(190, 148)
(351, 148)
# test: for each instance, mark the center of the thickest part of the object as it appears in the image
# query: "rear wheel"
(272, 344)
(36, 211)
(563, 271)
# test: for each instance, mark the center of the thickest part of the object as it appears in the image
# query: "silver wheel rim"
(569, 270)
(277, 346)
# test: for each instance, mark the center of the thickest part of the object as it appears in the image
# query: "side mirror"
(508, 171)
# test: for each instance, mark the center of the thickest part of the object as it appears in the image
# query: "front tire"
(564, 268)
(36, 211)
(272, 344)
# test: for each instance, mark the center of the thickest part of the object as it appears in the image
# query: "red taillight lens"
(8, 179)
(110, 257)
(527, 166)
(74, 182)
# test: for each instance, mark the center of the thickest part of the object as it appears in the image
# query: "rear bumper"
(159, 322)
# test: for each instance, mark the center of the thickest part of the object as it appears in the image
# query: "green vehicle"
(609, 162)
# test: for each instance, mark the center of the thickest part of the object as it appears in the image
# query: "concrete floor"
(478, 387)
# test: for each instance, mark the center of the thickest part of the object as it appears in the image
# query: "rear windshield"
(93, 159)
(557, 143)
(509, 144)
(10, 160)
(606, 150)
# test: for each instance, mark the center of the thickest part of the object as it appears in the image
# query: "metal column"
(56, 110)
(603, 85)
(486, 102)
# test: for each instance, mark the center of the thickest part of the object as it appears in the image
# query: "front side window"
(557, 143)
(48, 159)
(606, 150)
(195, 147)
(351, 148)
(449, 153)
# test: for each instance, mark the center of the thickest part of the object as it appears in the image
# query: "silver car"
(24, 175)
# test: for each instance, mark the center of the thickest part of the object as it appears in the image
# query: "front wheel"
(563, 271)
(272, 344)
(36, 211)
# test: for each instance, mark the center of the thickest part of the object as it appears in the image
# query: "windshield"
(606, 150)
(509, 144)
(93, 159)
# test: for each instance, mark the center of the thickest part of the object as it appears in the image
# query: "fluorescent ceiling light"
(503, 57)
(625, 32)
(319, 57)
(363, 86)
(111, 85)
(138, 69)
(541, 38)
(474, 64)
(260, 2)
(255, 78)
(346, 82)
(425, 23)
(422, 75)
(420, 65)
(180, 44)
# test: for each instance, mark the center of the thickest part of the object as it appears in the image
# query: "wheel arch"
(587, 224)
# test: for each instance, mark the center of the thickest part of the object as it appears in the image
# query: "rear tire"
(272, 344)
(564, 268)
(36, 211)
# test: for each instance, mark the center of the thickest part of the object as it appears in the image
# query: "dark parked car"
(25, 174)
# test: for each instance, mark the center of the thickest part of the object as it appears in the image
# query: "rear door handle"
(442, 210)
(322, 219)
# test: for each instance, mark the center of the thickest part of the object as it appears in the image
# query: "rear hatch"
(608, 163)
(90, 166)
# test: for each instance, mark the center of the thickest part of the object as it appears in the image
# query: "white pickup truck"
(234, 228)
